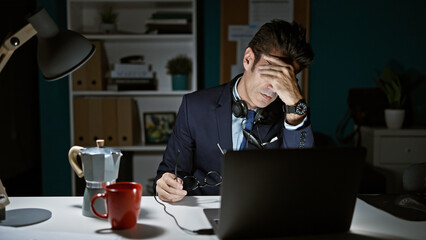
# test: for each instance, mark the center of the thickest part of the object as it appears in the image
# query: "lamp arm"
(4, 201)
(14, 42)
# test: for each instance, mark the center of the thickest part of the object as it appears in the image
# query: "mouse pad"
(388, 203)
(25, 217)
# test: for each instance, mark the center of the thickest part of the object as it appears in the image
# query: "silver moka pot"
(100, 167)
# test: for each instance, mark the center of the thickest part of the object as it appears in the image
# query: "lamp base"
(2, 214)
(25, 217)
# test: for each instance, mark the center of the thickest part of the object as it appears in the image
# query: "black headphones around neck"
(240, 109)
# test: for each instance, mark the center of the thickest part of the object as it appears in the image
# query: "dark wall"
(55, 120)
(211, 42)
(355, 39)
(20, 161)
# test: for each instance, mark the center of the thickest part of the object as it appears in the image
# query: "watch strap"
(289, 109)
(300, 105)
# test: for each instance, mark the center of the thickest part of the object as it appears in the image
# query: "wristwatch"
(300, 108)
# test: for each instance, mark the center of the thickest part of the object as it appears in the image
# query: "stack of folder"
(116, 120)
(91, 76)
(169, 23)
(126, 76)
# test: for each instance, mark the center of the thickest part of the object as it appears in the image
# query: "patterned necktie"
(249, 121)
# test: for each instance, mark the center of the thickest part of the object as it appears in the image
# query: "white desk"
(368, 222)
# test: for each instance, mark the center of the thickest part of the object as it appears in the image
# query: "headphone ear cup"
(239, 108)
(261, 115)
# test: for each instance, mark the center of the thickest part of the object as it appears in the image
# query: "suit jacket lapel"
(275, 116)
(224, 118)
(273, 125)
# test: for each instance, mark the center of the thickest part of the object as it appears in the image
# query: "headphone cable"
(204, 231)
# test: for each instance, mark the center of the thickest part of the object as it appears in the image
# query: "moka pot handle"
(72, 157)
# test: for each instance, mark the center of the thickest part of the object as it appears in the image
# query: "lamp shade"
(59, 51)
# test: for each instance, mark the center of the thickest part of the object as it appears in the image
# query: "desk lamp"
(59, 53)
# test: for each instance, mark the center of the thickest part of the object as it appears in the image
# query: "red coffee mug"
(123, 200)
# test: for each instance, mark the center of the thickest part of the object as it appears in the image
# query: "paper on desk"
(11, 233)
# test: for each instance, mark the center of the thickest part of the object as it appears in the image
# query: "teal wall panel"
(353, 40)
(211, 43)
(55, 121)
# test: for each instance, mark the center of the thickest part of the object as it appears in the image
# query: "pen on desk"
(218, 145)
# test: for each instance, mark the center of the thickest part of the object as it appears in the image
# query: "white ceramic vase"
(394, 118)
(108, 27)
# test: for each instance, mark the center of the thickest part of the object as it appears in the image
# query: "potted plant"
(109, 18)
(179, 68)
(389, 82)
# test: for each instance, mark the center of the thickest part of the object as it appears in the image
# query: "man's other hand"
(170, 188)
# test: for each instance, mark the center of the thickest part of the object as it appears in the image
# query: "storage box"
(91, 76)
(128, 122)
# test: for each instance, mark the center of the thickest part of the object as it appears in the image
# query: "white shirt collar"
(235, 94)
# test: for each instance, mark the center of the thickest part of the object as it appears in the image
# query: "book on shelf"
(172, 15)
(131, 74)
(135, 87)
(169, 23)
(168, 28)
(134, 80)
(120, 70)
(133, 84)
(131, 67)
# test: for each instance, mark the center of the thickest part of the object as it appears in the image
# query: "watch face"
(301, 108)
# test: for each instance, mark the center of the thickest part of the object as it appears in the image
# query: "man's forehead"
(283, 58)
(286, 59)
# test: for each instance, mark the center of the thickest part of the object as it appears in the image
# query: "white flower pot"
(108, 27)
(394, 118)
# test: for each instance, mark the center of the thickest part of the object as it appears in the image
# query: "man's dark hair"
(287, 38)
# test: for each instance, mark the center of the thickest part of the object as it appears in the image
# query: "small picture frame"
(158, 126)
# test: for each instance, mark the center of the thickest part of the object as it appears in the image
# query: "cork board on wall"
(236, 12)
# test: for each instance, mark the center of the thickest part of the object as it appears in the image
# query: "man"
(213, 120)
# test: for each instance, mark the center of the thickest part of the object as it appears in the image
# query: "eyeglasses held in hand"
(212, 179)
(191, 183)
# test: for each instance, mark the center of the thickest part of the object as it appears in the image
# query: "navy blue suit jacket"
(205, 119)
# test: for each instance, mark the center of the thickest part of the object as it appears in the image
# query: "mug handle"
(99, 195)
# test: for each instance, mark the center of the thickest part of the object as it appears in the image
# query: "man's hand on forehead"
(281, 61)
(282, 78)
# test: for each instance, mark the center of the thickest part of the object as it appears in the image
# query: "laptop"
(281, 192)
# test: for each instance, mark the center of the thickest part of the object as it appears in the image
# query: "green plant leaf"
(180, 64)
(389, 82)
(108, 15)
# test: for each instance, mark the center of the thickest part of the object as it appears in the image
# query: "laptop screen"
(277, 192)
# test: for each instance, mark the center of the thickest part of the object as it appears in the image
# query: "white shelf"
(91, 2)
(140, 37)
(129, 93)
(142, 148)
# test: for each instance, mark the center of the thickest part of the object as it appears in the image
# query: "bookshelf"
(131, 37)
